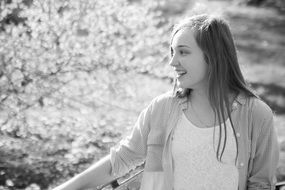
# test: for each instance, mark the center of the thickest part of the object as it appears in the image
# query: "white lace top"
(195, 163)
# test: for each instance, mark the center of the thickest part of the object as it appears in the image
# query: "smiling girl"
(212, 132)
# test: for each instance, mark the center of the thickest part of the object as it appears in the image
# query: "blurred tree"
(62, 41)
(59, 64)
(280, 4)
(255, 2)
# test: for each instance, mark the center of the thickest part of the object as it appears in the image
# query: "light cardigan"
(151, 137)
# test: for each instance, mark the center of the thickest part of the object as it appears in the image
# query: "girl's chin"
(181, 85)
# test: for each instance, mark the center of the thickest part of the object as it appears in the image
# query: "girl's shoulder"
(260, 109)
(163, 103)
(163, 98)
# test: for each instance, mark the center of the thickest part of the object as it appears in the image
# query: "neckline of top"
(203, 128)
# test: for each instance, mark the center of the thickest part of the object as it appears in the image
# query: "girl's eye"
(182, 52)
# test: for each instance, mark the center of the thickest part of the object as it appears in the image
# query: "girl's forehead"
(184, 36)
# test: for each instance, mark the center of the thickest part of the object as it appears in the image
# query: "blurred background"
(74, 75)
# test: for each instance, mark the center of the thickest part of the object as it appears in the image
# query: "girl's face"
(188, 61)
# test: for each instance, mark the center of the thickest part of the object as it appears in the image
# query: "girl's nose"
(173, 61)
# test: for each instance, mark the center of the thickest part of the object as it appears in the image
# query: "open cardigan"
(150, 141)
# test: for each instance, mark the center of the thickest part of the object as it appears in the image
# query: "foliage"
(279, 4)
(61, 41)
(60, 65)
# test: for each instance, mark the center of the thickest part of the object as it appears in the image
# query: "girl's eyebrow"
(182, 46)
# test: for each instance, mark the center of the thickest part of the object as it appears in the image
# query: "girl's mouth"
(180, 73)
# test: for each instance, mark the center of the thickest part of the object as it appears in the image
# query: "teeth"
(180, 72)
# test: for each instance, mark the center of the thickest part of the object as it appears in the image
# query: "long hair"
(214, 38)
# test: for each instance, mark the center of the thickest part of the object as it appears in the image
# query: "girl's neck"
(200, 97)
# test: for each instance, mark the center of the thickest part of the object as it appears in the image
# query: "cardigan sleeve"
(131, 150)
(266, 155)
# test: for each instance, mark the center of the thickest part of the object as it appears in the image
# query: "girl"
(211, 132)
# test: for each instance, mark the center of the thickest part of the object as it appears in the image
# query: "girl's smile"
(180, 73)
(188, 60)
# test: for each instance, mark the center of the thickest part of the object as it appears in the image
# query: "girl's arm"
(266, 150)
(129, 152)
(94, 176)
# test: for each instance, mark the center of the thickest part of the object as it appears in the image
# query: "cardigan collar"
(241, 99)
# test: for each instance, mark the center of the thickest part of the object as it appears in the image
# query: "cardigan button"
(238, 135)
(241, 164)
